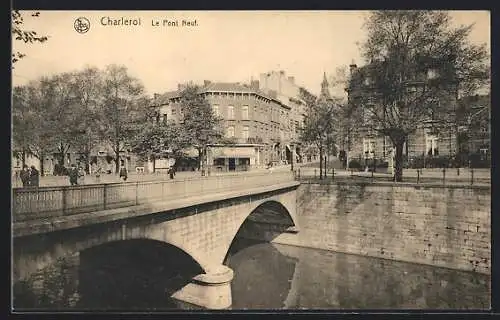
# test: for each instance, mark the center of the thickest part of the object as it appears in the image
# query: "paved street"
(52, 181)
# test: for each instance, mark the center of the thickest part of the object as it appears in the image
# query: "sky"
(224, 46)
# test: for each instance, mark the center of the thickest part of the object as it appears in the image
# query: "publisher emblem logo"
(82, 25)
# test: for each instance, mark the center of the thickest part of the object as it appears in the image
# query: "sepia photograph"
(250, 160)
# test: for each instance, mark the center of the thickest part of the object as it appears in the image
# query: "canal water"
(267, 276)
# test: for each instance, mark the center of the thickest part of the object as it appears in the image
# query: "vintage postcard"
(244, 160)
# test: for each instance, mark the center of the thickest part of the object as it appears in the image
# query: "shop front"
(234, 158)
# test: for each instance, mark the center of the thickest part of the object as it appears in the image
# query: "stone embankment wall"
(444, 226)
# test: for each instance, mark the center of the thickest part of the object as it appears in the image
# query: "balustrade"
(46, 202)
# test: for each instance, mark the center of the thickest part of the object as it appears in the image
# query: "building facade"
(430, 140)
(285, 89)
(256, 123)
(474, 126)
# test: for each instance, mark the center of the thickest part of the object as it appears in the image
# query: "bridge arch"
(138, 273)
(264, 221)
(34, 253)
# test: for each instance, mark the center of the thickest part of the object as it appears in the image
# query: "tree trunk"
(41, 165)
(153, 159)
(200, 154)
(320, 163)
(398, 161)
(117, 161)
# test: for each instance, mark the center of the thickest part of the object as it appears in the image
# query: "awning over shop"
(233, 152)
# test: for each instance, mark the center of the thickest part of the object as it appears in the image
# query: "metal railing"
(46, 202)
(444, 176)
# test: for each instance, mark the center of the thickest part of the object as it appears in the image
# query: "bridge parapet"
(47, 202)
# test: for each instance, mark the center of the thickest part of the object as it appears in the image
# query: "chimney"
(206, 83)
(291, 79)
(254, 84)
(352, 67)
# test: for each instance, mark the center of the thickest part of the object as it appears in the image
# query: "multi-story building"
(256, 122)
(288, 93)
(474, 125)
(429, 140)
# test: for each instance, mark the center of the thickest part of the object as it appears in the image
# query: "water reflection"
(267, 276)
(272, 276)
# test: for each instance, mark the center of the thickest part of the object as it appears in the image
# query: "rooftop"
(164, 98)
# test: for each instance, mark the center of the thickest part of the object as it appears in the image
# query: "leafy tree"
(33, 130)
(23, 118)
(417, 66)
(22, 35)
(320, 127)
(87, 88)
(122, 109)
(62, 112)
(200, 125)
(159, 139)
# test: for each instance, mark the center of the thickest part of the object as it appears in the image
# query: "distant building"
(289, 93)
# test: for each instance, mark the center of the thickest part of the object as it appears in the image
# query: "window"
(230, 112)
(368, 148)
(431, 145)
(244, 113)
(216, 110)
(230, 132)
(245, 132)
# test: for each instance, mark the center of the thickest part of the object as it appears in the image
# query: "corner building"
(255, 122)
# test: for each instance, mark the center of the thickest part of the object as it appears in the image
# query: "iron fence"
(443, 176)
(46, 202)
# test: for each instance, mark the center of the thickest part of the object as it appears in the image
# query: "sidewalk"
(54, 181)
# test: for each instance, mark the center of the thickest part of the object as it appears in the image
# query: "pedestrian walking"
(123, 173)
(73, 175)
(25, 176)
(171, 172)
(34, 177)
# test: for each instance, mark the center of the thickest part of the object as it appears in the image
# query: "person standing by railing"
(25, 176)
(34, 177)
(73, 175)
(123, 173)
(171, 172)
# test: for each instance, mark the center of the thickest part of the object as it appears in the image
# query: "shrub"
(354, 164)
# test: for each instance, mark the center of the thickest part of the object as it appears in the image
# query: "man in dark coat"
(25, 176)
(34, 177)
(73, 175)
(123, 173)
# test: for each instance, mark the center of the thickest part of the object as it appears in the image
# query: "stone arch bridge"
(201, 217)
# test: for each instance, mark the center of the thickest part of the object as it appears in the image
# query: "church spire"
(325, 92)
